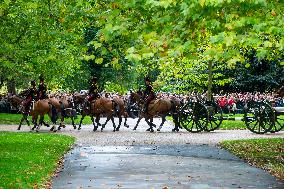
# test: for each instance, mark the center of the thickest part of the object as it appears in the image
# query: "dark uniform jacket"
(93, 92)
(149, 94)
(42, 91)
(31, 95)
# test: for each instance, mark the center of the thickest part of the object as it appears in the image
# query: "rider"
(42, 89)
(31, 95)
(149, 94)
(93, 91)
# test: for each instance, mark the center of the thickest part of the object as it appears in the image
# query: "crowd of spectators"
(234, 102)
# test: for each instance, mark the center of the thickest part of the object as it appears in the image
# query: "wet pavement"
(157, 167)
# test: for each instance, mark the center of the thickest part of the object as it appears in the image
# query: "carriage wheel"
(194, 117)
(259, 117)
(215, 117)
(279, 123)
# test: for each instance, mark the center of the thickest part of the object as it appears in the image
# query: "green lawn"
(267, 154)
(28, 160)
(14, 119)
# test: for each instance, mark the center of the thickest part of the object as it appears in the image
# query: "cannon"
(202, 115)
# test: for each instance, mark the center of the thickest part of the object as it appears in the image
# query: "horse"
(16, 101)
(79, 100)
(64, 108)
(158, 107)
(99, 106)
(120, 111)
(40, 108)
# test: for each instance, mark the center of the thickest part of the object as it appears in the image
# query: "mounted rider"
(42, 89)
(149, 94)
(93, 93)
(31, 96)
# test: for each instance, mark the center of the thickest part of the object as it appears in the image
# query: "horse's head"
(135, 97)
(14, 100)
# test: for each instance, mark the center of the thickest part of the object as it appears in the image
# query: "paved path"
(151, 166)
(126, 136)
(139, 159)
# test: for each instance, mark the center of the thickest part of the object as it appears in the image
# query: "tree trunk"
(11, 86)
(210, 74)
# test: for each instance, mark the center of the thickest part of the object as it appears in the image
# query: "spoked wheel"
(279, 123)
(259, 117)
(215, 116)
(194, 117)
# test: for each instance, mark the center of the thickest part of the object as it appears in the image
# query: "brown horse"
(64, 109)
(120, 111)
(101, 106)
(16, 101)
(40, 108)
(159, 107)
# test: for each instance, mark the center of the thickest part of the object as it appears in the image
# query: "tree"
(180, 36)
(40, 37)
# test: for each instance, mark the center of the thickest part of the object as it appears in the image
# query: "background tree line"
(172, 41)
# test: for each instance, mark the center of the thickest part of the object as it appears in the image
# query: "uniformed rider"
(31, 96)
(149, 94)
(93, 93)
(42, 89)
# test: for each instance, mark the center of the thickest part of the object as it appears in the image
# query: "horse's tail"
(115, 107)
(175, 113)
(173, 107)
(53, 113)
(62, 109)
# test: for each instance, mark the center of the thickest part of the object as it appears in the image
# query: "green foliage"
(40, 37)
(264, 153)
(175, 39)
(29, 160)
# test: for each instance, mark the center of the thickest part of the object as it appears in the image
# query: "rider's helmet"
(147, 79)
(41, 78)
(33, 83)
(94, 79)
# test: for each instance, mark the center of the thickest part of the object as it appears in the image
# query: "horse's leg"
(73, 123)
(150, 124)
(177, 125)
(23, 118)
(138, 121)
(40, 123)
(26, 118)
(163, 121)
(83, 116)
(34, 120)
(45, 124)
(112, 119)
(119, 123)
(98, 120)
(53, 128)
(108, 118)
(125, 124)
(61, 123)
(93, 121)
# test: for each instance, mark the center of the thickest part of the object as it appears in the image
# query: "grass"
(28, 160)
(267, 154)
(14, 119)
